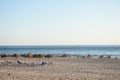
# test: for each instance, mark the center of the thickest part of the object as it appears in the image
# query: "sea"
(79, 50)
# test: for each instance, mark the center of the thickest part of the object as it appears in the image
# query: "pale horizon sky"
(59, 22)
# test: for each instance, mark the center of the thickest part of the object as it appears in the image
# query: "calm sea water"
(77, 50)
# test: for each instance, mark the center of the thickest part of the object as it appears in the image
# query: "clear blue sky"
(59, 22)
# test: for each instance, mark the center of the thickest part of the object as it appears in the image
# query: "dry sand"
(63, 69)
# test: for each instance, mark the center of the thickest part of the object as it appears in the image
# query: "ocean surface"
(94, 50)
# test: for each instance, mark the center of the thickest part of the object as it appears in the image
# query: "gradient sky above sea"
(59, 22)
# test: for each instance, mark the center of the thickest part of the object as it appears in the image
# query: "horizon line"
(68, 45)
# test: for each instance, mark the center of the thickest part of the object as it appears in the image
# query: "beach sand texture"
(63, 69)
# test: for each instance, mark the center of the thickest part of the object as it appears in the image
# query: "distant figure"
(19, 62)
(88, 56)
(115, 57)
(66, 55)
(43, 63)
(108, 56)
(101, 56)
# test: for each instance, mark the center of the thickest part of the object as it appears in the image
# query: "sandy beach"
(62, 68)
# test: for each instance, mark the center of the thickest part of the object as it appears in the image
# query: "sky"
(59, 22)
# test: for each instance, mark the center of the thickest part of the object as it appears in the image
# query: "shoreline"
(62, 55)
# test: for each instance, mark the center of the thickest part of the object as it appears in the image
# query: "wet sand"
(62, 69)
